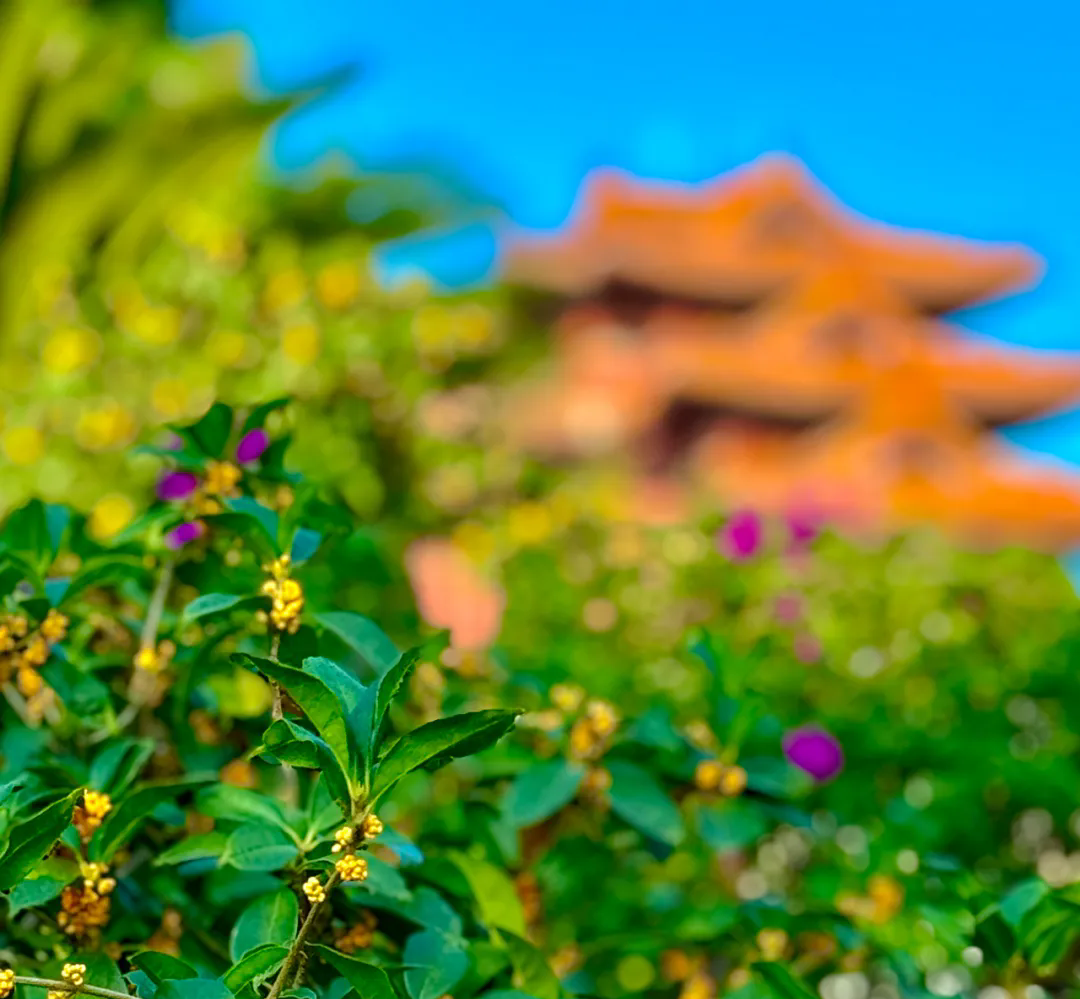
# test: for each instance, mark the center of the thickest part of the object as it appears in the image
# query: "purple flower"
(184, 534)
(741, 536)
(252, 445)
(814, 751)
(177, 486)
(803, 528)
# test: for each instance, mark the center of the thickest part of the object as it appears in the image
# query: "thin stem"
(298, 944)
(59, 986)
(277, 711)
(156, 606)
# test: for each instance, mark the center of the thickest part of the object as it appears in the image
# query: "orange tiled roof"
(746, 235)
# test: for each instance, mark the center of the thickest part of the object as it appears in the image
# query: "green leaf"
(781, 981)
(270, 919)
(497, 899)
(532, 972)
(133, 810)
(29, 841)
(319, 703)
(110, 569)
(209, 434)
(441, 740)
(435, 963)
(210, 603)
(255, 965)
(262, 515)
(194, 988)
(638, 799)
(259, 848)
(257, 417)
(119, 763)
(100, 970)
(159, 967)
(199, 847)
(1021, 899)
(542, 790)
(239, 804)
(293, 744)
(35, 891)
(386, 689)
(363, 636)
(26, 534)
(305, 544)
(369, 981)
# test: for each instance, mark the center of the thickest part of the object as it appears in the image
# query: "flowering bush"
(220, 777)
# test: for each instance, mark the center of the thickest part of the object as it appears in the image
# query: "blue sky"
(949, 115)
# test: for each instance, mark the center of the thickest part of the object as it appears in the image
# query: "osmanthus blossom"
(815, 752)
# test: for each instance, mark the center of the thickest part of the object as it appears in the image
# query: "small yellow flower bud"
(372, 826)
(733, 782)
(567, 697)
(343, 838)
(352, 868)
(7, 983)
(74, 973)
(314, 890)
(708, 775)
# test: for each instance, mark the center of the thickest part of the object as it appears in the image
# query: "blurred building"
(750, 340)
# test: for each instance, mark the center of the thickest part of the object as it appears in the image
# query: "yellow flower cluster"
(712, 775)
(221, 478)
(591, 733)
(23, 653)
(314, 890)
(352, 868)
(373, 826)
(155, 660)
(773, 944)
(89, 815)
(85, 906)
(343, 838)
(358, 936)
(287, 596)
(7, 983)
(75, 974)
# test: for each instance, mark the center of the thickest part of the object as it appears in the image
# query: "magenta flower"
(814, 751)
(184, 534)
(741, 536)
(176, 486)
(252, 445)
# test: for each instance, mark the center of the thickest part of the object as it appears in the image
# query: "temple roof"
(745, 235)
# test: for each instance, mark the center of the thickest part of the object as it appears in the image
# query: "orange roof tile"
(744, 235)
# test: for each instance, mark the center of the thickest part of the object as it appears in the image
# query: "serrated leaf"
(159, 967)
(133, 810)
(540, 791)
(270, 919)
(255, 965)
(239, 804)
(199, 847)
(369, 981)
(208, 604)
(442, 740)
(316, 699)
(259, 848)
(36, 891)
(363, 636)
(30, 840)
(638, 799)
(293, 744)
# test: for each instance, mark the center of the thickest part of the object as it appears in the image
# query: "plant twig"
(298, 944)
(59, 986)
(276, 712)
